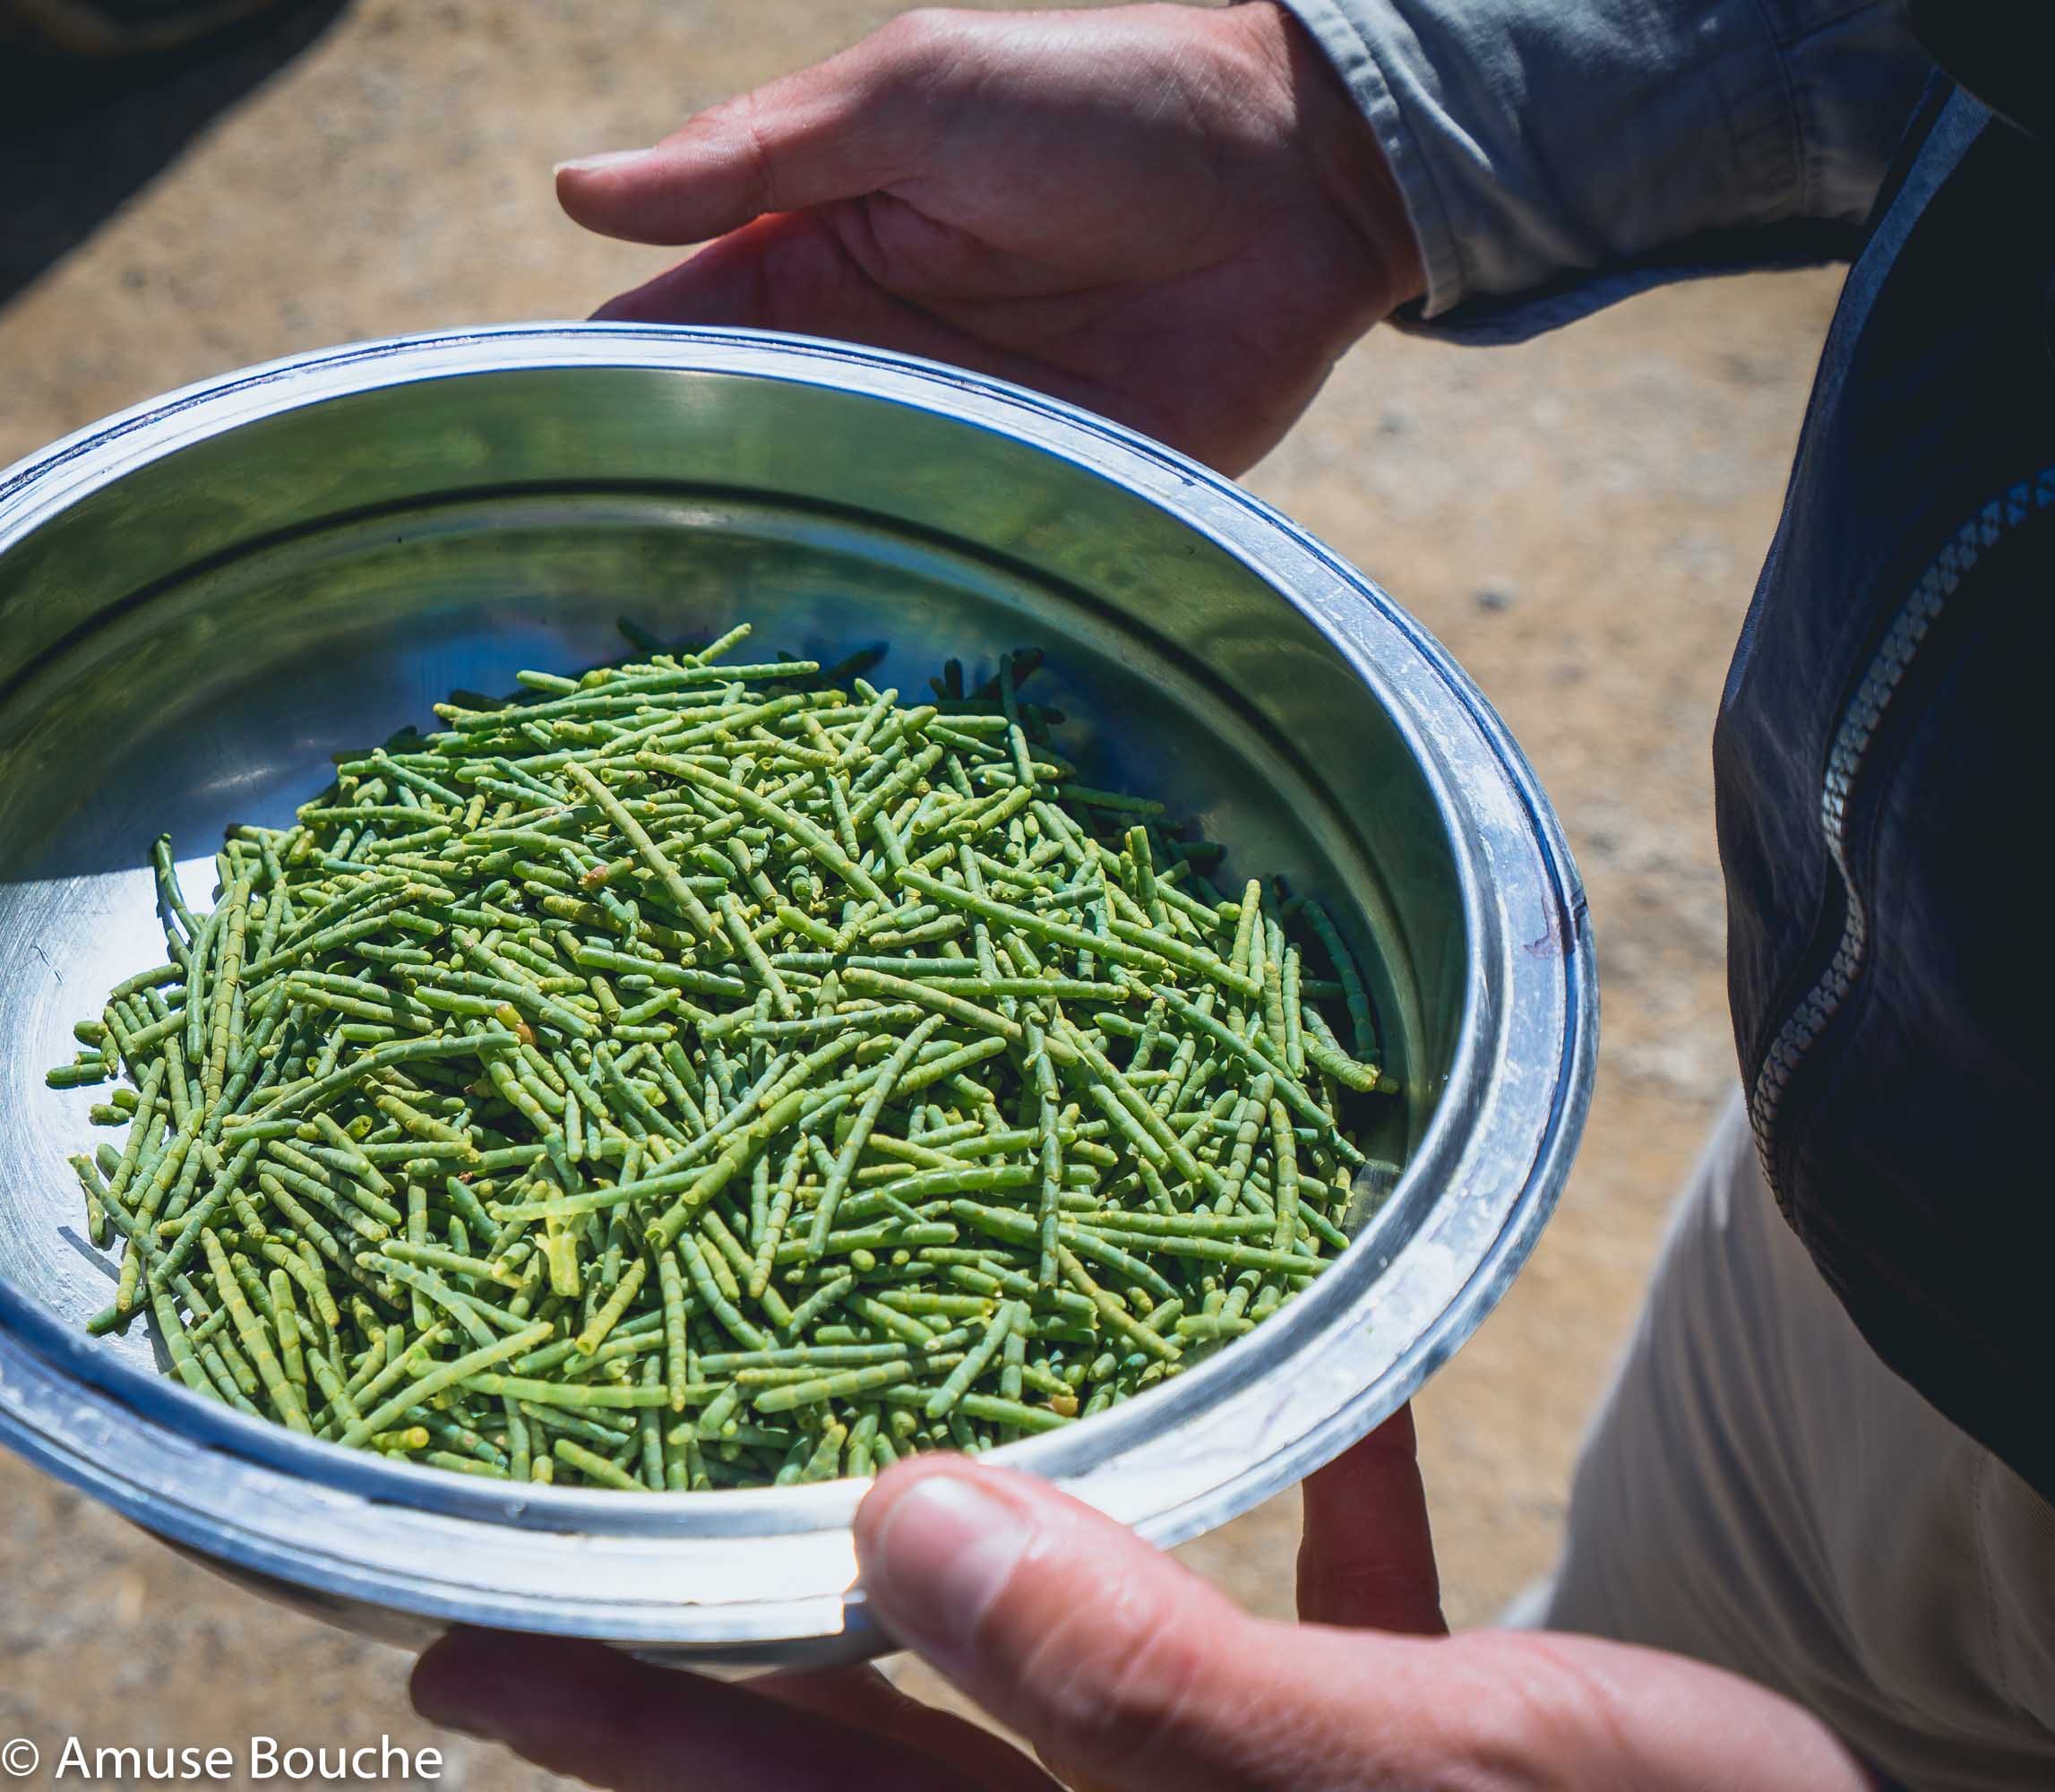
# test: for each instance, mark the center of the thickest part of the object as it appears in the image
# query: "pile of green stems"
(699, 1074)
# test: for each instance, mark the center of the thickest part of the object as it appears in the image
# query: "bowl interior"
(188, 645)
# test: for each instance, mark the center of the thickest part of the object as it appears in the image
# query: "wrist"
(1353, 175)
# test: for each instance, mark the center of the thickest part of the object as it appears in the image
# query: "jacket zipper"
(1860, 721)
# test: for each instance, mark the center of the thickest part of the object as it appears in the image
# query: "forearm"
(1536, 144)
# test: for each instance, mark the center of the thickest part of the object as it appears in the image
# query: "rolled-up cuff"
(1494, 321)
(1554, 156)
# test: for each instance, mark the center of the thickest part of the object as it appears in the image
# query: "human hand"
(1171, 215)
(1129, 1674)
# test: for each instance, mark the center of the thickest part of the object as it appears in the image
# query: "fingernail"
(593, 164)
(942, 1555)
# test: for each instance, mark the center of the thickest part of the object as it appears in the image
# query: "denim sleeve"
(1557, 155)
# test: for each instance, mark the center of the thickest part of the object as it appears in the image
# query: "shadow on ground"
(78, 138)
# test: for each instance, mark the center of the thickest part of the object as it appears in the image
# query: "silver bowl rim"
(60, 1398)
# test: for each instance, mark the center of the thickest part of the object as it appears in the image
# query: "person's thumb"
(850, 125)
(1120, 1666)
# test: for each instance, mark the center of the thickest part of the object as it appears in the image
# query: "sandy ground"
(1578, 520)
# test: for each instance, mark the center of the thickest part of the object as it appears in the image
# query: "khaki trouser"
(1758, 1491)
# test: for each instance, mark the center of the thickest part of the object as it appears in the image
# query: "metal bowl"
(202, 599)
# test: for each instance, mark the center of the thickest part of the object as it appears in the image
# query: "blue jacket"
(1882, 741)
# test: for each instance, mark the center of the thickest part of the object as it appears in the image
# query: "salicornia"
(700, 1074)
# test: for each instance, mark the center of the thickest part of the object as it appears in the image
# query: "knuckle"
(1115, 1684)
(762, 167)
(1541, 1702)
(735, 126)
(923, 34)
